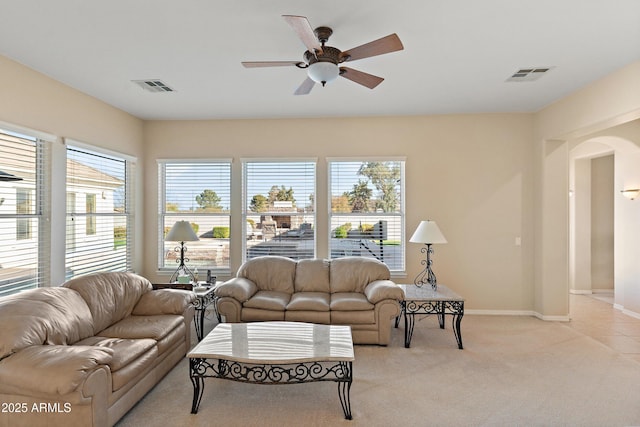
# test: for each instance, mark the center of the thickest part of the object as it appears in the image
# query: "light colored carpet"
(514, 371)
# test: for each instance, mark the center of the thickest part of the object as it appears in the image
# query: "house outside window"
(199, 192)
(24, 238)
(24, 207)
(99, 189)
(279, 207)
(367, 210)
(90, 210)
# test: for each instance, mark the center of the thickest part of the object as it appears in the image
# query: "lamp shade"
(323, 72)
(427, 232)
(181, 232)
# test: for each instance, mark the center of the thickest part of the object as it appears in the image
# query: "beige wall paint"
(486, 179)
(470, 173)
(602, 223)
(609, 102)
(31, 100)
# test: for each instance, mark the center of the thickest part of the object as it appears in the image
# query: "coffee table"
(426, 300)
(274, 353)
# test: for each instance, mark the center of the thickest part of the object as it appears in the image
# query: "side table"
(425, 300)
(205, 296)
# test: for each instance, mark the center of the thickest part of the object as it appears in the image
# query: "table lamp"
(427, 233)
(181, 232)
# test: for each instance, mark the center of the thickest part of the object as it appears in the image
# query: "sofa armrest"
(52, 369)
(238, 288)
(164, 301)
(379, 290)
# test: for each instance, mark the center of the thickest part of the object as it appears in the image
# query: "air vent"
(153, 85)
(528, 74)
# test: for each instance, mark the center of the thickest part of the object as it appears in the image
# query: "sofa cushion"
(312, 275)
(124, 350)
(136, 327)
(268, 300)
(258, 315)
(131, 370)
(54, 369)
(309, 301)
(352, 274)
(43, 316)
(350, 301)
(270, 273)
(110, 296)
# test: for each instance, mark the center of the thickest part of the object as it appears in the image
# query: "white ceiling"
(457, 56)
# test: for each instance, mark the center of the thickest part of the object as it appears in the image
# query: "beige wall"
(609, 102)
(470, 173)
(31, 100)
(602, 222)
(486, 179)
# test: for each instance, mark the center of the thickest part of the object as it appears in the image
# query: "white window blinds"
(367, 210)
(99, 229)
(279, 208)
(24, 259)
(198, 192)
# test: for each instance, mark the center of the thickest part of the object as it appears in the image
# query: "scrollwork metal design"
(296, 373)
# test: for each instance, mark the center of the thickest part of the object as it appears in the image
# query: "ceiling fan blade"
(258, 64)
(365, 79)
(305, 87)
(303, 29)
(388, 44)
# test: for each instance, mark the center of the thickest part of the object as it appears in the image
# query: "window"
(91, 210)
(24, 206)
(198, 192)
(367, 210)
(279, 208)
(24, 260)
(99, 222)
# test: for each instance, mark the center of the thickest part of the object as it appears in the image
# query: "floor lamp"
(181, 232)
(427, 233)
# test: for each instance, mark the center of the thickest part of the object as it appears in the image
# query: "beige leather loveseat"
(353, 291)
(84, 353)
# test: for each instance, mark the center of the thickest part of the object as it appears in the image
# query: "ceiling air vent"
(153, 85)
(528, 74)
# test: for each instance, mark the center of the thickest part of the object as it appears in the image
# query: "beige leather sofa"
(353, 291)
(84, 353)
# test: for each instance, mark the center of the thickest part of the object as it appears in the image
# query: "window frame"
(246, 213)
(161, 266)
(92, 218)
(396, 271)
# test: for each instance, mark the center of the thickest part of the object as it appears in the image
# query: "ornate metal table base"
(201, 303)
(296, 373)
(410, 308)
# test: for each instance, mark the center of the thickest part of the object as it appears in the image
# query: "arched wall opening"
(604, 226)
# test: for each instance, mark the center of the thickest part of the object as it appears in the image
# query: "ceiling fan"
(322, 62)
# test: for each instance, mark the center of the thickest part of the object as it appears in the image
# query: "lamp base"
(181, 265)
(426, 275)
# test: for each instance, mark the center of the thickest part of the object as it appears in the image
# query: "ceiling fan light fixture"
(323, 72)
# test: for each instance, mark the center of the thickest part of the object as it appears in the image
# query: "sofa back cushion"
(312, 275)
(270, 273)
(353, 274)
(110, 296)
(56, 316)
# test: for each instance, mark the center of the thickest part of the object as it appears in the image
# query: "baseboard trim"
(518, 313)
(580, 291)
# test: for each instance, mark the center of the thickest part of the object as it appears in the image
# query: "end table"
(426, 300)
